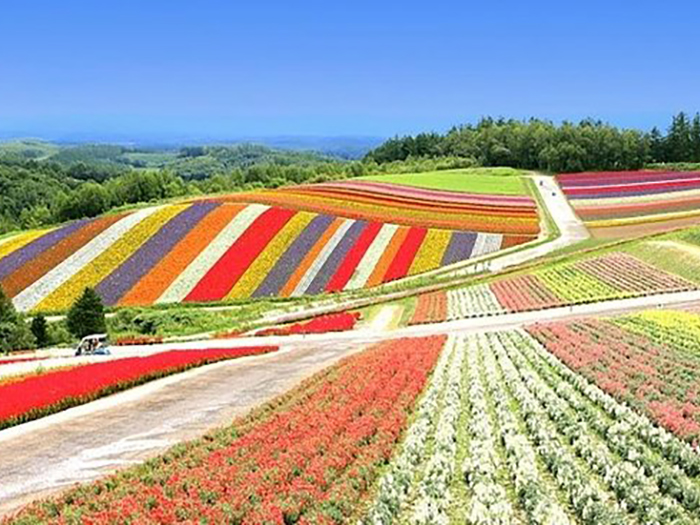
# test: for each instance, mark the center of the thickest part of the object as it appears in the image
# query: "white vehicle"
(96, 344)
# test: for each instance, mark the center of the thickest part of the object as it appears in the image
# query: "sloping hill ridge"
(281, 243)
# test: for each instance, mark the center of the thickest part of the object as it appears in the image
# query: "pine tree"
(40, 329)
(695, 138)
(87, 315)
(14, 332)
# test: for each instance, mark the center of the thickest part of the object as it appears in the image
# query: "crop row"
(209, 251)
(613, 276)
(309, 457)
(507, 433)
(650, 361)
(611, 199)
(34, 396)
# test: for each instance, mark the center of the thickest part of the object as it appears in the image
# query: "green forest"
(43, 184)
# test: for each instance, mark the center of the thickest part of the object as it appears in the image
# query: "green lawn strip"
(675, 261)
(496, 181)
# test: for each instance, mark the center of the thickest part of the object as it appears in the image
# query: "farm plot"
(612, 276)
(36, 395)
(651, 361)
(506, 433)
(305, 240)
(310, 456)
(615, 203)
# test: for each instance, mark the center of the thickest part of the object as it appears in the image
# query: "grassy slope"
(499, 181)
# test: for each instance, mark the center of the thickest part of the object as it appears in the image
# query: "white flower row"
(396, 483)
(489, 502)
(40, 289)
(486, 243)
(434, 494)
(371, 257)
(188, 279)
(535, 496)
(628, 435)
(472, 301)
(316, 266)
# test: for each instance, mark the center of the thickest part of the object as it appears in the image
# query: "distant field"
(621, 204)
(497, 181)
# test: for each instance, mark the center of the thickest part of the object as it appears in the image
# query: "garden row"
(48, 391)
(506, 433)
(213, 250)
(651, 361)
(612, 276)
(311, 456)
(605, 200)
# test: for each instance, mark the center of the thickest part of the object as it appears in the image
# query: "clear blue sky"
(229, 68)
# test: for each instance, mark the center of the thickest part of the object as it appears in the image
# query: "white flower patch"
(472, 301)
(313, 270)
(486, 243)
(396, 483)
(372, 256)
(36, 292)
(187, 280)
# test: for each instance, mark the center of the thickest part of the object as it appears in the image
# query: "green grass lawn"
(498, 181)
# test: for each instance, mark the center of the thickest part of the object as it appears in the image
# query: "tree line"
(590, 145)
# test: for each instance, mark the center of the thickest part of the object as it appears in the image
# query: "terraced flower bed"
(507, 433)
(650, 361)
(309, 457)
(38, 395)
(612, 276)
(607, 201)
(304, 240)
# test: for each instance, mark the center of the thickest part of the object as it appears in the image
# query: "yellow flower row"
(256, 272)
(430, 253)
(109, 260)
(14, 243)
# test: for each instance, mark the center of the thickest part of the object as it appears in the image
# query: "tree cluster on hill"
(542, 145)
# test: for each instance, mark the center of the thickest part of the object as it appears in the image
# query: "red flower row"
(318, 325)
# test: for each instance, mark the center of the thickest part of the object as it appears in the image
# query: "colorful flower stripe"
(404, 258)
(515, 240)
(116, 284)
(377, 275)
(371, 258)
(228, 270)
(322, 324)
(307, 262)
(629, 198)
(430, 194)
(18, 241)
(311, 457)
(39, 395)
(431, 218)
(431, 252)
(264, 263)
(154, 284)
(335, 257)
(26, 253)
(292, 259)
(109, 260)
(208, 257)
(324, 252)
(35, 269)
(411, 202)
(352, 259)
(460, 247)
(31, 296)
(486, 244)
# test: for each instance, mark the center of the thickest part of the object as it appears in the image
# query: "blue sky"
(224, 69)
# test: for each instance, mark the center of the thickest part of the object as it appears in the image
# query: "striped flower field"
(635, 198)
(280, 243)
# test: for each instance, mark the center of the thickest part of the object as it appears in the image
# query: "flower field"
(612, 276)
(309, 457)
(616, 199)
(506, 433)
(650, 360)
(35, 396)
(322, 324)
(290, 242)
